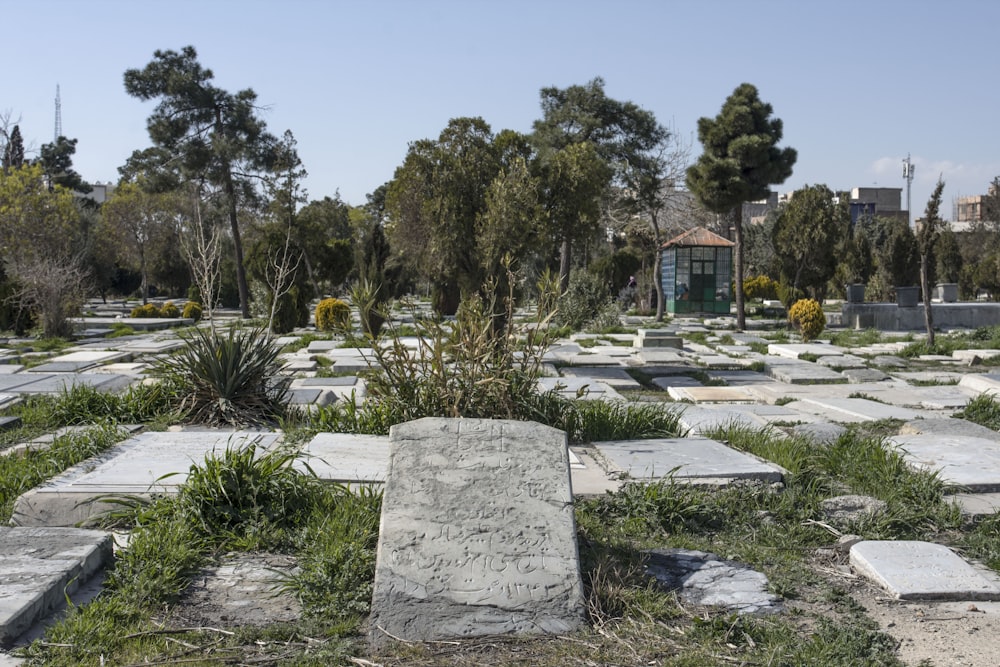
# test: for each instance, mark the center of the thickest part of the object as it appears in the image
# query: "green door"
(702, 294)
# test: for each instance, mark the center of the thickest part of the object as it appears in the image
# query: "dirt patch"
(242, 590)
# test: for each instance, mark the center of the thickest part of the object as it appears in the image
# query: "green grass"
(983, 410)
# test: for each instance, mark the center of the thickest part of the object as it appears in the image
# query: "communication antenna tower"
(58, 116)
(908, 168)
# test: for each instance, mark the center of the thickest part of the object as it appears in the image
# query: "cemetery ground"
(257, 557)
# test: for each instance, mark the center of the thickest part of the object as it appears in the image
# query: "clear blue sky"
(858, 84)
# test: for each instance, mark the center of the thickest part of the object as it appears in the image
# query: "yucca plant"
(227, 379)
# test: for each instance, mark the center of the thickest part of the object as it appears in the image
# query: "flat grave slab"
(740, 378)
(984, 383)
(946, 397)
(39, 567)
(973, 463)
(154, 346)
(862, 375)
(842, 361)
(711, 394)
(477, 534)
(796, 350)
(668, 381)
(693, 459)
(699, 419)
(336, 381)
(801, 372)
(293, 365)
(857, 409)
(137, 466)
(969, 355)
(615, 377)
(652, 356)
(948, 426)
(347, 457)
(310, 396)
(327, 346)
(591, 359)
(913, 570)
(584, 388)
(53, 383)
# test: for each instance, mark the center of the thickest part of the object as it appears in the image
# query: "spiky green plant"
(227, 379)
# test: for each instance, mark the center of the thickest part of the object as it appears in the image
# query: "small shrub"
(584, 299)
(760, 287)
(333, 315)
(808, 317)
(227, 379)
(145, 310)
(169, 310)
(192, 311)
(788, 295)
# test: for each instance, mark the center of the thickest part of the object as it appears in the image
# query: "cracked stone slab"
(477, 535)
(914, 570)
(704, 578)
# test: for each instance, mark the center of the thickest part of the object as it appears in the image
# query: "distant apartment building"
(883, 202)
(969, 211)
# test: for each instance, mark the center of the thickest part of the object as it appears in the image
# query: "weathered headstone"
(477, 534)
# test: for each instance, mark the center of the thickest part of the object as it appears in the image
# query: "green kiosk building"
(697, 272)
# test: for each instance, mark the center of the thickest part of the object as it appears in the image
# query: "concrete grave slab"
(154, 346)
(819, 432)
(39, 567)
(842, 361)
(477, 534)
(862, 375)
(57, 382)
(948, 427)
(653, 356)
(693, 459)
(698, 419)
(299, 365)
(317, 346)
(591, 359)
(137, 466)
(669, 381)
(912, 570)
(797, 350)
(984, 383)
(969, 355)
(856, 409)
(973, 463)
(801, 372)
(336, 381)
(615, 377)
(347, 457)
(310, 396)
(711, 394)
(930, 398)
(740, 378)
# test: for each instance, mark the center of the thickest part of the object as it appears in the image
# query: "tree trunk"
(658, 283)
(241, 274)
(928, 313)
(309, 272)
(145, 280)
(564, 261)
(741, 319)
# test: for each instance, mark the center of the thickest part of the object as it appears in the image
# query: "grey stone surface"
(142, 465)
(843, 509)
(797, 350)
(857, 409)
(912, 570)
(615, 377)
(819, 432)
(801, 372)
(977, 505)
(711, 394)
(705, 579)
(697, 419)
(39, 567)
(948, 427)
(477, 535)
(973, 463)
(841, 361)
(668, 381)
(347, 457)
(685, 459)
(860, 375)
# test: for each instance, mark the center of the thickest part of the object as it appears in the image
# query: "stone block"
(913, 570)
(685, 459)
(477, 535)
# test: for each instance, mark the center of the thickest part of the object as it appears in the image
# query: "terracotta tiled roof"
(699, 236)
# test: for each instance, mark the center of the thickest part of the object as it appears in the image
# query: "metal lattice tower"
(58, 116)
